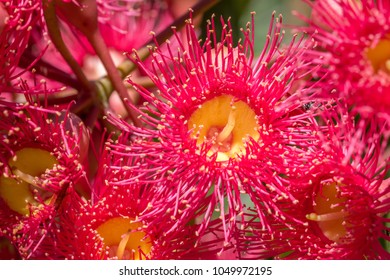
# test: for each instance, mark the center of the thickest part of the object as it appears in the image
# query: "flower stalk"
(56, 37)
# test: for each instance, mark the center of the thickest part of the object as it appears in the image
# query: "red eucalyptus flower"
(344, 202)
(17, 19)
(37, 58)
(117, 21)
(222, 130)
(41, 155)
(110, 226)
(354, 38)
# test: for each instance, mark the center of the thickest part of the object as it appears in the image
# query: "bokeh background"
(240, 13)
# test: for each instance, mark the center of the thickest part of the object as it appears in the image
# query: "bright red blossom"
(17, 17)
(343, 203)
(110, 226)
(36, 58)
(354, 38)
(40, 158)
(222, 129)
(118, 22)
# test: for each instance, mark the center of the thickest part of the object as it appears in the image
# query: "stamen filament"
(325, 217)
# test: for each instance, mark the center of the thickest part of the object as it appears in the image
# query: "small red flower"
(40, 158)
(31, 54)
(110, 226)
(222, 130)
(354, 38)
(17, 17)
(344, 203)
(118, 22)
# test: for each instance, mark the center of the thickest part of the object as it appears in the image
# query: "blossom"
(34, 56)
(222, 130)
(120, 30)
(353, 37)
(17, 21)
(109, 226)
(343, 202)
(118, 22)
(40, 158)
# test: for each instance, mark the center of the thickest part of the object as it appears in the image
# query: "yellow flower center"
(330, 214)
(124, 238)
(226, 124)
(27, 165)
(379, 55)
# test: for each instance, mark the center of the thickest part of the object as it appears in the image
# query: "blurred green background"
(240, 13)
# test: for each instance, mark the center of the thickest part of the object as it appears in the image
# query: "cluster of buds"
(121, 143)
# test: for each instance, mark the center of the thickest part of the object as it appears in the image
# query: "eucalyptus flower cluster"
(124, 135)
